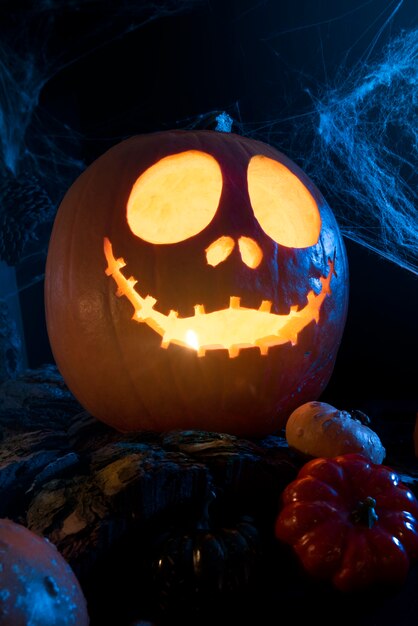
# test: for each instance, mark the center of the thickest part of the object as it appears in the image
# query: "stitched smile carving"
(233, 328)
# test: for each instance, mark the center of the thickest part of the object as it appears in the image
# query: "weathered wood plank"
(92, 490)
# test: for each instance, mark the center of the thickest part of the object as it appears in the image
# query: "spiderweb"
(358, 139)
(365, 147)
(39, 153)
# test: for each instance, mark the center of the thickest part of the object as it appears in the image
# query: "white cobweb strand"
(365, 149)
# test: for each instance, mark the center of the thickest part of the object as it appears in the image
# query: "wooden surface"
(102, 497)
(106, 499)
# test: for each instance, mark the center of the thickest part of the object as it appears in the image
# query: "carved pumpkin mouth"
(233, 329)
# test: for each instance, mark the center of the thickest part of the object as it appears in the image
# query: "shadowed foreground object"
(125, 511)
(38, 587)
(195, 280)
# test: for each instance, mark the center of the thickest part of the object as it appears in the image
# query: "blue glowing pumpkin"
(37, 585)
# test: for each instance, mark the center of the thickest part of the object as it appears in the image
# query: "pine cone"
(24, 204)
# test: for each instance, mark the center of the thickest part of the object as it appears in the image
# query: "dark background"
(118, 69)
(85, 74)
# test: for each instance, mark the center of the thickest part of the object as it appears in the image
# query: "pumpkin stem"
(365, 513)
(217, 120)
(224, 122)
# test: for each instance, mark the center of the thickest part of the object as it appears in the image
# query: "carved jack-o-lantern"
(195, 280)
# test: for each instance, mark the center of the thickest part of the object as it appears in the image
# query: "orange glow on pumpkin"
(232, 329)
(175, 198)
(219, 250)
(250, 251)
(283, 206)
(228, 316)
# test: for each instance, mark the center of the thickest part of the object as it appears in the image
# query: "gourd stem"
(365, 513)
(359, 416)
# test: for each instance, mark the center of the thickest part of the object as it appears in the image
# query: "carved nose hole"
(219, 250)
(251, 252)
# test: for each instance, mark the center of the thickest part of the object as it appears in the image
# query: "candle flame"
(192, 340)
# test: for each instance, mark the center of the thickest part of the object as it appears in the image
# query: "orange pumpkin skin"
(117, 368)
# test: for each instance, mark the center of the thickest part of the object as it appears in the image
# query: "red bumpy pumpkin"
(350, 521)
(232, 280)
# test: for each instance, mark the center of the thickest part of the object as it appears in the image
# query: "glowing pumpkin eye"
(283, 206)
(175, 198)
